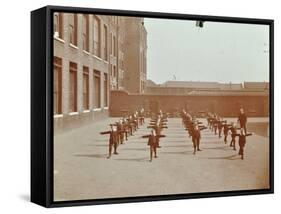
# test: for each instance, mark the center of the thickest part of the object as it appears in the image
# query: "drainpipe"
(117, 53)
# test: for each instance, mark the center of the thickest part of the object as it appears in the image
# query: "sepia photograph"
(146, 106)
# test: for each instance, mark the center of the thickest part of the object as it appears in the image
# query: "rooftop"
(190, 84)
(256, 85)
(208, 88)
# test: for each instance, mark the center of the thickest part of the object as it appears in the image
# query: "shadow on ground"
(91, 155)
(231, 157)
(134, 159)
(179, 153)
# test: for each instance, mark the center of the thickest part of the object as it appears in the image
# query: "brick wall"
(226, 106)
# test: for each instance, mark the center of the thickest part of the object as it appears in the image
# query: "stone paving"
(82, 171)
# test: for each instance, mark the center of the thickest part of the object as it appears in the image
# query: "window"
(111, 44)
(57, 85)
(114, 46)
(86, 32)
(113, 77)
(105, 91)
(111, 70)
(114, 71)
(97, 88)
(142, 86)
(73, 29)
(144, 62)
(141, 61)
(97, 36)
(58, 25)
(105, 51)
(85, 88)
(72, 87)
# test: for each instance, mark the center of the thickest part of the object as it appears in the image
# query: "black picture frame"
(42, 105)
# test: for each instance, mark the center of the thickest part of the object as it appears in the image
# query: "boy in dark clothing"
(215, 125)
(121, 131)
(113, 140)
(233, 130)
(220, 126)
(152, 143)
(242, 141)
(226, 128)
(196, 136)
(142, 115)
(126, 128)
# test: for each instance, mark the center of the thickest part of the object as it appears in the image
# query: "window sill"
(73, 46)
(86, 111)
(58, 115)
(86, 52)
(97, 109)
(59, 39)
(97, 57)
(73, 113)
(105, 107)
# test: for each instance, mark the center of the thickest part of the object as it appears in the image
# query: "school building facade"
(93, 55)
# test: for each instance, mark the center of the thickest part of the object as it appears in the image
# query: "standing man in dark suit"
(242, 119)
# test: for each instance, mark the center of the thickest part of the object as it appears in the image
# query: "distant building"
(135, 55)
(92, 56)
(192, 87)
(150, 83)
(231, 86)
(256, 85)
(190, 84)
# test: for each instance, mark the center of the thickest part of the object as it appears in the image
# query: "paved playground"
(82, 171)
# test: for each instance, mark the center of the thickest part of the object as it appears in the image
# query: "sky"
(220, 52)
